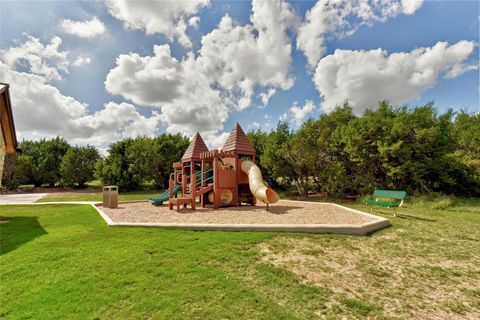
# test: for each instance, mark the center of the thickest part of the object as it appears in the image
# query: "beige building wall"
(2, 154)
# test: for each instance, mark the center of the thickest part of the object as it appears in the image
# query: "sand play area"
(295, 216)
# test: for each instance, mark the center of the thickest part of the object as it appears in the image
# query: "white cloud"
(43, 60)
(194, 22)
(198, 92)
(329, 18)
(183, 94)
(459, 69)
(115, 122)
(82, 60)
(367, 77)
(215, 140)
(164, 17)
(149, 80)
(300, 113)
(266, 95)
(240, 57)
(83, 29)
(41, 110)
(410, 6)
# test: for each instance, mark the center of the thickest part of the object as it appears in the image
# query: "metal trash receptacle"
(110, 197)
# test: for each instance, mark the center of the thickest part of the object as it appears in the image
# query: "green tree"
(50, 159)
(165, 150)
(259, 141)
(278, 159)
(39, 163)
(78, 165)
(320, 153)
(133, 162)
(466, 157)
(115, 168)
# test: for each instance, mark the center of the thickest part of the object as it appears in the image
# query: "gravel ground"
(283, 212)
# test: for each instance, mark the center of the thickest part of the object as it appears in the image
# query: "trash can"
(110, 197)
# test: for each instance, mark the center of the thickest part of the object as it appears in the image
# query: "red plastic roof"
(196, 147)
(237, 141)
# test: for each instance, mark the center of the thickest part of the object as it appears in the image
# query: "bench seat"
(383, 203)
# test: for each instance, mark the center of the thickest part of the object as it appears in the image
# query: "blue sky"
(302, 89)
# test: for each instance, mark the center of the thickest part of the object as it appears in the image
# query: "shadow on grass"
(17, 231)
(407, 216)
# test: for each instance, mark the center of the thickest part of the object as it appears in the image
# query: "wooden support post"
(193, 190)
(170, 193)
(192, 171)
(202, 168)
(216, 190)
(184, 179)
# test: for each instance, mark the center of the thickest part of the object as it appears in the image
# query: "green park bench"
(389, 198)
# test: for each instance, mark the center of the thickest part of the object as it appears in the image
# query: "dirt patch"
(407, 286)
(284, 212)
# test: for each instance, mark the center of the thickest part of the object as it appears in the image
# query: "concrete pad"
(21, 198)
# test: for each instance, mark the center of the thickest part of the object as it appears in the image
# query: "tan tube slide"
(257, 186)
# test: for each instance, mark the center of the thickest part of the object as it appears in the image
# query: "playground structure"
(217, 178)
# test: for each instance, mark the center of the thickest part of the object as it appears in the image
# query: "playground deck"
(294, 216)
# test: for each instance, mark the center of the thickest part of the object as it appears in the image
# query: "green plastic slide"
(158, 201)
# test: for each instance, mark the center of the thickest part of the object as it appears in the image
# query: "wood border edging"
(348, 229)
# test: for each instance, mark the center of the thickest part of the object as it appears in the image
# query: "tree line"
(395, 148)
(398, 148)
(130, 163)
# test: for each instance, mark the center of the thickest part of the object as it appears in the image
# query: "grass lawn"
(97, 196)
(63, 262)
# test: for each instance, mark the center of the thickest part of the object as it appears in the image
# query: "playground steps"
(178, 202)
(202, 190)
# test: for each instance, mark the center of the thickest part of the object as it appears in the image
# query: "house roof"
(6, 122)
(196, 147)
(237, 141)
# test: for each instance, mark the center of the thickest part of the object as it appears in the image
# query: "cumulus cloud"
(197, 92)
(41, 110)
(82, 60)
(300, 113)
(343, 17)
(366, 77)
(169, 18)
(149, 80)
(114, 122)
(83, 29)
(240, 57)
(37, 58)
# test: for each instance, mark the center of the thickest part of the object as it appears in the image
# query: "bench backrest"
(391, 194)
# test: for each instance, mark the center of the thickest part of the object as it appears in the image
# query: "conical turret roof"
(238, 141)
(196, 147)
